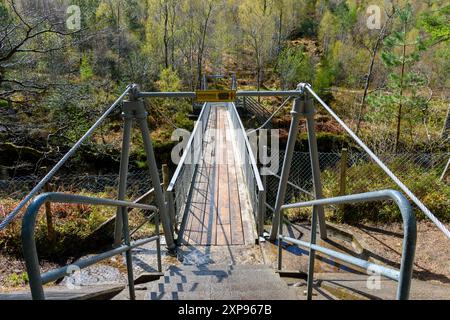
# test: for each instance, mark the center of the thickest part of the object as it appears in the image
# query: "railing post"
(158, 242)
(308, 111)
(312, 254)
(128, 256)
(168, 196)
(293, 131)
(262, 207)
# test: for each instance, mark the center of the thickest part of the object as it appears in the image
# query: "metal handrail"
(251, 172)
(187, 149)
(180, 185)
(248, 148)
(380, 163)
(37, 280)
(63, 160)
(403, 277)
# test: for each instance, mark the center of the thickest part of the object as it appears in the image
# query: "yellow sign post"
(215, 95)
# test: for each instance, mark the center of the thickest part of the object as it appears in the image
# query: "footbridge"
(217, 197)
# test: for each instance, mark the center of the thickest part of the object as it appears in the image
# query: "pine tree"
(399, 56)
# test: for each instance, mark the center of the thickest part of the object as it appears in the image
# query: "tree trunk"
(202, 46)
(399, 115)
(369, 74)
(280, 31)
(166, 34)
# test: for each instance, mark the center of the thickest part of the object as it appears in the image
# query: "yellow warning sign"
(216, 95)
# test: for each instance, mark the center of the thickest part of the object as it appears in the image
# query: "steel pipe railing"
(180, 185)
(37, 280)
(252, 177)
(403, 276)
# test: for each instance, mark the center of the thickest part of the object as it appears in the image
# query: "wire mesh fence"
(138, 183)
(423, 173)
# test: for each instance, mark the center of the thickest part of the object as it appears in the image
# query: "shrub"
(366, 177)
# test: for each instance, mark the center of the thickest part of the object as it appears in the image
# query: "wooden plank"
(223, 216)
(215, 186)
(237, 233)
(219, 201)
(95, 292)
(205, 235)
(208, 237)
(198, 207)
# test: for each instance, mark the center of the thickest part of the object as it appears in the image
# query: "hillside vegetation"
(388, 83)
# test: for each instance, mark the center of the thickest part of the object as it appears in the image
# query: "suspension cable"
(273, 115)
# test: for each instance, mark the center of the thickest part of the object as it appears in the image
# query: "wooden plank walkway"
(219, 212)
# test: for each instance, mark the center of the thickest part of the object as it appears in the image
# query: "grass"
(17, 279)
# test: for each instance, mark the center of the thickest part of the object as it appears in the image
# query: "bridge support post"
(293, 131)
(303, 106)
(308, 111)
(135, 109)
(141, 117)
(128, 116)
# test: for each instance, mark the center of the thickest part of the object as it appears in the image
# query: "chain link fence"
(139, 182)
(422, 173)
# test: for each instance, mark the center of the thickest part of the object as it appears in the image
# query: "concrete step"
(217, 282)
(98, 292)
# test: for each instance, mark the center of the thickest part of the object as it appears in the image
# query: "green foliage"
(324, 79)
(436, 24)
(326, 142)
(399, 55)
(86, 72)
(17, 279)
(308, 23)
(295, 66)
(435, 194)
(169, 80)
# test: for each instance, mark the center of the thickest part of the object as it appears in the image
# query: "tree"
(24, 36)
(294, 66)
(258, 28)
(399, 56)
(372, 47)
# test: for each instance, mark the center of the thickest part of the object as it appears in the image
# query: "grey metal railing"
(402, 276)
(252, 177)
(37, 280)
(180, 185)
